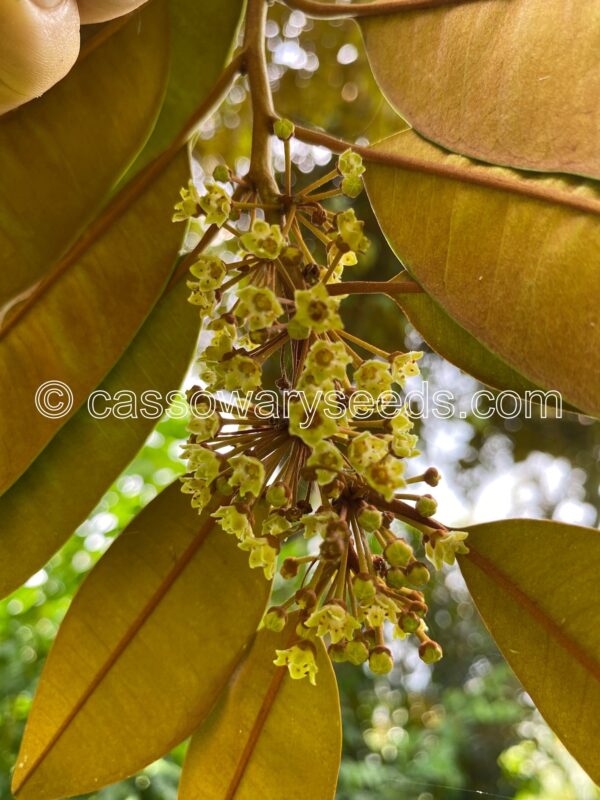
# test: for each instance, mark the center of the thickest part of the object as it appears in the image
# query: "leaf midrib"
(121, 647)
(555, 631)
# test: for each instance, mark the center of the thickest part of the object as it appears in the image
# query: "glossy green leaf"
(149, 642)
(535, 584)
(202, 37)
(269, 737)
(81, 322)
(60, 155)
(511, 258)
(514, 83)
(55, 495)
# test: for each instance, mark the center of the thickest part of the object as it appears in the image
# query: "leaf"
(269, 736)
(535, 585)
(148, 644)
(496, 80)
(202, 37)
(80, 323)
(55, 495)
(458, 346)
(512, 259)
(60, 155)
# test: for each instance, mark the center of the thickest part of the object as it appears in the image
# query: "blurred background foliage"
(464, 728)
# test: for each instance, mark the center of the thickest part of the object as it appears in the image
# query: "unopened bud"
(283, 129)
(380, 660)
(430, 652)
(398, 553)
(370, 519)
(426, 505)
(417, 573)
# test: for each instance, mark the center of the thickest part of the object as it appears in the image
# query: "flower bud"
(357, 652)
(305, 599)
(275, 619)
(426, 505)
(221, 173)
(417, 573)
(289, 569)
(430, 652)
(283, 129)
(364, 589)
(278, 494)
(337, 652)
(380, 660)
(409, 622)
(432, 476)
(398, 553)
(332, 548)
(370, 518)
(396, 578)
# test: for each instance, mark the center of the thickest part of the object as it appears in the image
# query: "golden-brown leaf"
(55, 495)
(82, 320)
(535, 585)
(512, 82)
(61, 154)
(269, 737)
(149, 642)
(513, 259)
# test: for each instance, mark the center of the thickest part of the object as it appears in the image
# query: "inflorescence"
(338, 478)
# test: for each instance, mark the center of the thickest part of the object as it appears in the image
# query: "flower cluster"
(320, 470)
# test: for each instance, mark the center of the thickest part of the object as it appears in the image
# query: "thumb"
(101, 10)
(40, 43)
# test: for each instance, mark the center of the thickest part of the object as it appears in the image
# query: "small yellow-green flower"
(203, 461)
(327, 360)
(380, 610)
(315, 524)
(209, 271)
(234, 522)
(350, 230)
(316, 310)
(188, 206)
(248, 474)
(333, 620)
(262, 554)
(373, 377)
(216, 204)
(366, 449)
(242, 373)
(405, 366)
(257, 308)
(300, 659)
(444, 549)
(386, 476)
(327, 459)
(311, 425)
(263, 240)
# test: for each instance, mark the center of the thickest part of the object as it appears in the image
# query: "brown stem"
(531, 189)
(318, 10)
(391, 288)
(263, 112)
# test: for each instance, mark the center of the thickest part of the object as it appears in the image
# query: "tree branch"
(488, 180)
(263, 112)
(318, 10)
(391, 288)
